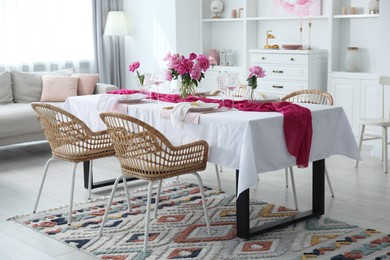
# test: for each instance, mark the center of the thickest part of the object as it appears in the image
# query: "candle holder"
(300, 36)
(310, 36)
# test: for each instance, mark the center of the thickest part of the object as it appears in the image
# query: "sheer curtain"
(46, 35)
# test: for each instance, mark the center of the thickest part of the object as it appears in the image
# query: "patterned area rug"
(179, 231)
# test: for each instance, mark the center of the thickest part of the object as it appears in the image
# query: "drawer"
(268, 58)
(280, 87)
(298, 72)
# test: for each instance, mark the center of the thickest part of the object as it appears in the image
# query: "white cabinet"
(358, 94)
(288, 71)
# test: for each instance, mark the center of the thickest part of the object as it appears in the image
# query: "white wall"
(156, 27)
(152, 33)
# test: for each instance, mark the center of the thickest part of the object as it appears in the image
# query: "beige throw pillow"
(58, 88)
(87, 83)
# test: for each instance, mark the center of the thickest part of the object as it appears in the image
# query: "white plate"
(201, 107)
(132, 98)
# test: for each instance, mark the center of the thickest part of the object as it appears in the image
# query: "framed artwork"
(296, 7)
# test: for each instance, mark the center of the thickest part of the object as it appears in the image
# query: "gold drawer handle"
(277, 86)
(278, 71)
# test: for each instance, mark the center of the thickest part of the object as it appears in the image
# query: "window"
(46, 35)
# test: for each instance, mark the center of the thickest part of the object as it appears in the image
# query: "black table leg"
(99, 184)
(318, 206)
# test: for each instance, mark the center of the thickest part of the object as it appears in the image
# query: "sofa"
(18, 121)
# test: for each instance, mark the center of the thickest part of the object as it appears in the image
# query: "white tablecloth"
(252, 142)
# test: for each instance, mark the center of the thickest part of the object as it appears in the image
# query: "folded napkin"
(110, 103)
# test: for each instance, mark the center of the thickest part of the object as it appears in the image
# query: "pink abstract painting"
(296, 7)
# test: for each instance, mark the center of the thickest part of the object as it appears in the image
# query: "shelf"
(221, 20)
(279, 18)
(353, 16)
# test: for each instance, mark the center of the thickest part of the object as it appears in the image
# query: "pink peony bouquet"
(189, 71)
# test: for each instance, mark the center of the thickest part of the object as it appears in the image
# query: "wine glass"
(221, 85)
(232, 83)
(157, 78)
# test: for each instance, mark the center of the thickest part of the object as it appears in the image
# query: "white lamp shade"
(116, 24)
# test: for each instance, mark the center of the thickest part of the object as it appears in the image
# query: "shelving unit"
(330, 30)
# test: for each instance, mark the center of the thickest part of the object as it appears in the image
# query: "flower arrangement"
(134, 67)
(254, 73)
(190, 71)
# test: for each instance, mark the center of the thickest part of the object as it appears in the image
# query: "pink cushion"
(58, 88)
(87, 83)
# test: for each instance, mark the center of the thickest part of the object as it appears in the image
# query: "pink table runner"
(297, 123)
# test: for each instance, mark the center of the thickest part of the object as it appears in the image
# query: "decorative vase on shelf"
(352, 60)
(215, 54)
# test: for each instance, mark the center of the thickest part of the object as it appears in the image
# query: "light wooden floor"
(362, 195)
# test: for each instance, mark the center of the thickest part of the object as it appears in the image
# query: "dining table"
(251, 142)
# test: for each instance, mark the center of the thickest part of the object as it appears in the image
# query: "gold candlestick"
(300, 36)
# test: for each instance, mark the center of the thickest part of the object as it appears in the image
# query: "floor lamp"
(115, 27)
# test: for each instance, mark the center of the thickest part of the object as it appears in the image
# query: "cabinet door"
(346, 93)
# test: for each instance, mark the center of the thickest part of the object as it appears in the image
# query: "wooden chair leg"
(360, 143)
(71, 194)
(286, 176)
(218, 179)
(45, 169)
(126, 192)
(147, 219)
(109, 205)
(206, 214)
(293, 187)
(157, 198)
(384, 149)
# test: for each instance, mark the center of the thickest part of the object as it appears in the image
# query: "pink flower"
(135, 65)
(168, 75)
(193, 56)
(196, 72)
(203, 62)
(256, 71)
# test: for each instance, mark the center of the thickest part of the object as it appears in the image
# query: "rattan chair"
(145, 153)
(70, 140)
(312, 97)
(383, 122)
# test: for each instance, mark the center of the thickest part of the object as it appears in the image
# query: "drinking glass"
(232, 83)
(157, 78)
(221, 85)
(145, 87)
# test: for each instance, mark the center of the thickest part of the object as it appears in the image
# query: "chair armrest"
(102, 88)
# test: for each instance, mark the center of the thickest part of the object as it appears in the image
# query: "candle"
(300, 19)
